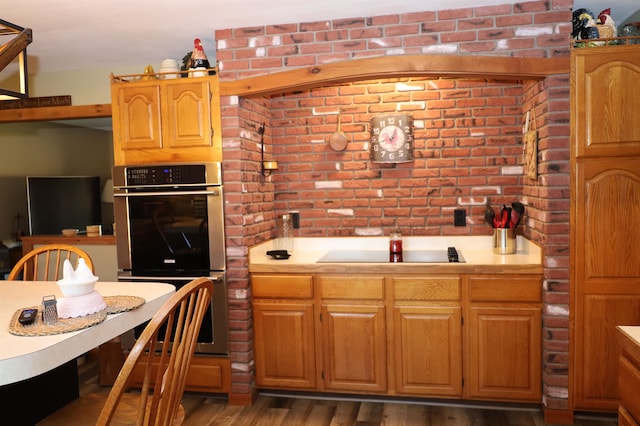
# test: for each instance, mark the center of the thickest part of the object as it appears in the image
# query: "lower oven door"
(214, 334)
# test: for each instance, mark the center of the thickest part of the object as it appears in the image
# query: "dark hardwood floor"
(279, 409)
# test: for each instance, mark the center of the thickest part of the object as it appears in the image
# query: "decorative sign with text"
(45, 101)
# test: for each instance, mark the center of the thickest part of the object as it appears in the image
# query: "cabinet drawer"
(426, 288)
(203, 375)
(351, 287)
(624, 418)
(628, 385)
(505, 289)
(282, 286)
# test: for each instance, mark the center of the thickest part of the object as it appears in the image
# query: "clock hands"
(390, 139)
(394, 136)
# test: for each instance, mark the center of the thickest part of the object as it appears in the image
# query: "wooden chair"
(45, 262)
(163, 375)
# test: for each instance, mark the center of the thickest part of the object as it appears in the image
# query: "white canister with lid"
(169, 66)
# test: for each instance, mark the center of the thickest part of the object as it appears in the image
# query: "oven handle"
(147, 194)
(213, 277)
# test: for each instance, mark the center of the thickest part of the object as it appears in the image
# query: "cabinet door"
(596, 350)
(504, 353)
(355, 344)
(606, 273)
(607, 206)
(186, 117)
(284, 344)
(605, 104)
(428, 350)
(136, 118)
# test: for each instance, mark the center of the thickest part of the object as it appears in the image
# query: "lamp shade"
(107, 192)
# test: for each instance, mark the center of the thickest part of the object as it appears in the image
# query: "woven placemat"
(63, 325)
(117, 304)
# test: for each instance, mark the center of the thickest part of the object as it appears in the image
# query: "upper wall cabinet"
(166, 120)
(606, 117)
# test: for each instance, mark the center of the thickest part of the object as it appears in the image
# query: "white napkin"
(82, 272)
(73, 307)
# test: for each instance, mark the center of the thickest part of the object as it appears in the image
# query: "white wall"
(86, 87)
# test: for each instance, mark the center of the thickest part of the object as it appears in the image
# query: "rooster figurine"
(584, 25)
(199, 60)
(605, 24)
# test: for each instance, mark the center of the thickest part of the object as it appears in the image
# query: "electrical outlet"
(295, 218)
(459, 217)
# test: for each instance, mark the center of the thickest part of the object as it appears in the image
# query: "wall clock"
(392, 138)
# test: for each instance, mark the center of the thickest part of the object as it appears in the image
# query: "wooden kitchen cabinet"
(440, 336)
(605, 189)
(503, 337)
(427, 336)
(166, 120)
(284, 337)
(353, 324)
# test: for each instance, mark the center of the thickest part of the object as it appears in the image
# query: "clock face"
(392, 138)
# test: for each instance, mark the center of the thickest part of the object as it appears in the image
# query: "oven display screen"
(167, 175)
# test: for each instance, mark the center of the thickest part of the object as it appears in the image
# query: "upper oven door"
(170, 231)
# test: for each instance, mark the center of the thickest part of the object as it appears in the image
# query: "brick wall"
(467, 147)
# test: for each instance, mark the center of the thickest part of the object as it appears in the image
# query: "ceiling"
(73, 35)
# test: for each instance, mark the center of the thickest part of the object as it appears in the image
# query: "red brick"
(552, 17)
(281, 29)
(475, 24)
(438, 27)
(527, 7)
(418, 17)
(458, 36)
(455, 14)
(384, 20)
(495, 34)
(504, 9)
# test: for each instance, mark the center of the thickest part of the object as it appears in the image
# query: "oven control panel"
(163, 175)
(169, 174)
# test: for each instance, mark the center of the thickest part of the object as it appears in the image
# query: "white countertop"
(477, 252)
(632, 331)
(23, 357)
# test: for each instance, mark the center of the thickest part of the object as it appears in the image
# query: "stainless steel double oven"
(170, 228)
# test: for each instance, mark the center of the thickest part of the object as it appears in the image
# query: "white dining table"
(25, 357)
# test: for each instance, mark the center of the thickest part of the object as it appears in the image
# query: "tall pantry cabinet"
(605, 216)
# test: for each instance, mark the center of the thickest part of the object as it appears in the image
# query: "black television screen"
(59, 202)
